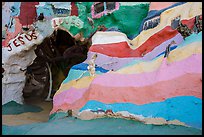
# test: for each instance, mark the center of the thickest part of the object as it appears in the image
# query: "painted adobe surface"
(143, 86)
(69, 16)
(135, 77)
(111, 126)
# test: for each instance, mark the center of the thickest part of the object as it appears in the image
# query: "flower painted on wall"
(99, 9)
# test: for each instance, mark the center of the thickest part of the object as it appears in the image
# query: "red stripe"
(157, 39)
(189, 23)
(122, 49)
(139, 95)
(114, 49)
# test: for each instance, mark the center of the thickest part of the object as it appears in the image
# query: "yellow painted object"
(175, 55)
(185, 11)
(185, 52)
(149, 66)
(81, 83)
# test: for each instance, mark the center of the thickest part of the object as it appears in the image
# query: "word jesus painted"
(22, 39)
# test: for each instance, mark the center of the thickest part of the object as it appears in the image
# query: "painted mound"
(141, 83)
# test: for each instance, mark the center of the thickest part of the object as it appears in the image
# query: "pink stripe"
(186, 85)
(68, 96)
(193, 64)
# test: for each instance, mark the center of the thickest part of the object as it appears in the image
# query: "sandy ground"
(29, 117)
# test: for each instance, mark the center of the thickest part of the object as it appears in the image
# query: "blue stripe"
(83, 66)
(171, 48)
(75, 74)
(187, 109)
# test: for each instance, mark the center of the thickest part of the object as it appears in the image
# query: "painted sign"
(69, 21)
(56, 22)
(22, 39)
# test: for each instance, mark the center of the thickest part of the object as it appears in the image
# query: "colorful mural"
(20, 29)
(127, 73)
(99, 9)
(138, 83)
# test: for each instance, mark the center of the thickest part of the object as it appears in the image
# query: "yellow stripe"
(185, 52)
(175, 55)
(186, 11)
(81, 83)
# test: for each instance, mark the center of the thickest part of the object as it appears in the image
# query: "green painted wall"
(101, 126)
(12, 108)
(127, 19)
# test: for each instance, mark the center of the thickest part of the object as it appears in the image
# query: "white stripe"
(101, 37)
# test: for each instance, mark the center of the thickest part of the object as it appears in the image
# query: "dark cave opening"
(38, 74)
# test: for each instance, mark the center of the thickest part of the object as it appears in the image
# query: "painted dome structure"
(143, 64)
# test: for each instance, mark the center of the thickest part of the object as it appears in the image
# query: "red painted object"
(122, 49)
(189, 23)
(74, 9)
(28, 13)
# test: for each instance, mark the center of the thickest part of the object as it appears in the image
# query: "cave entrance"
(38, 73)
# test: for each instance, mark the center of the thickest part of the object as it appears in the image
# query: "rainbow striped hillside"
(134, 78)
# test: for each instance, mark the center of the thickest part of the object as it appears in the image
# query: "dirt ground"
(29, 117)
